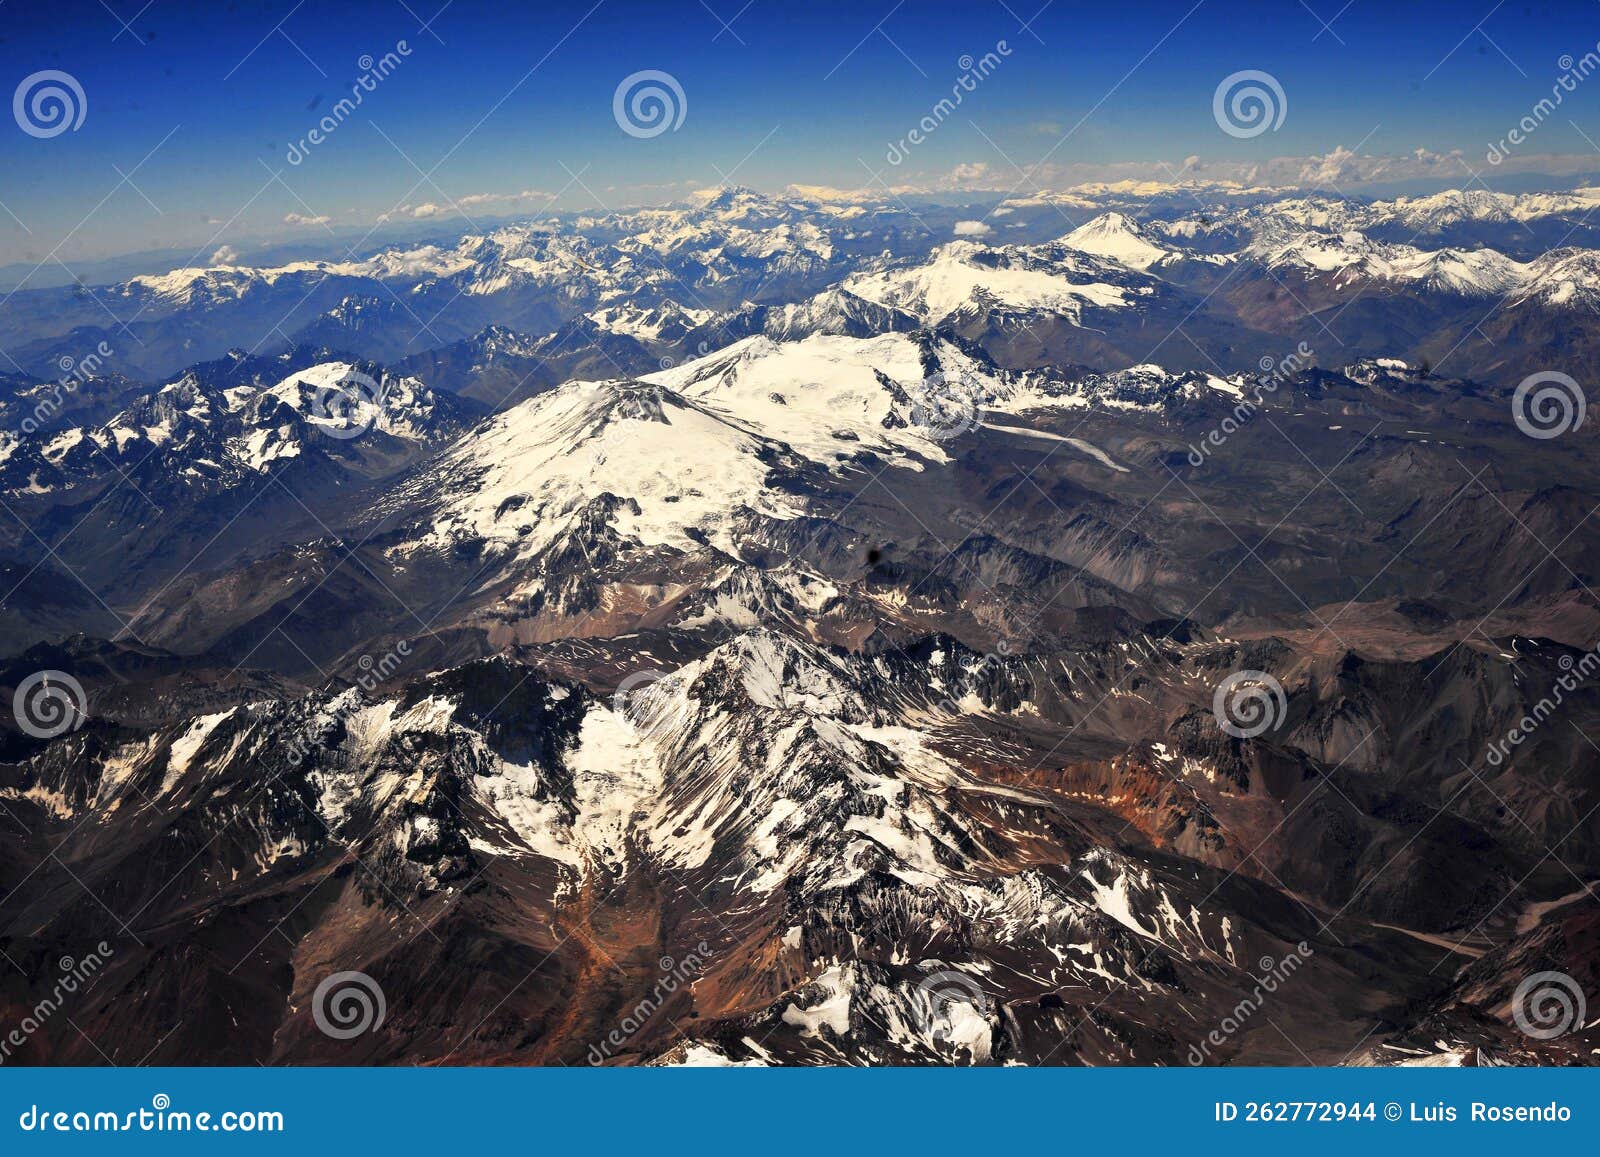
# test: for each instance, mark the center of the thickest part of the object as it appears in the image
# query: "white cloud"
(1341, 169)
(302, 219)
(971, 229)
(473, 200)
(426, 209)
(227, 255)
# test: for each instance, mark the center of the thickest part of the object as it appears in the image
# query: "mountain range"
(800, 629)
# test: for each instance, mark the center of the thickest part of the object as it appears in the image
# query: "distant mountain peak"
(1118, 237)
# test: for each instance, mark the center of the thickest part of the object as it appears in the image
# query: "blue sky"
(199, 103)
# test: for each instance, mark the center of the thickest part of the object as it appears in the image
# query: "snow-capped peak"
(1569, 278)
(1116, 237)
(678, 457)
(964, 275)
(1351, 254)
(673, 470)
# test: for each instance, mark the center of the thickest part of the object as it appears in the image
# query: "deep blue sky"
(771, 71)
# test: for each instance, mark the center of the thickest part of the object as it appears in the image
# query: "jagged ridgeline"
(784, 630)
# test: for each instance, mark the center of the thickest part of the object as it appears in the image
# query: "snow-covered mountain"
(709, 253)
(683, 457)
(1119, 238)
(831, 843)
(1567, 279)
(965, 277)
(210, 437)
(1432, 216)
(1351, 258)
(770, 776)
(768, 594)
(681, 281)
(241, 451)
